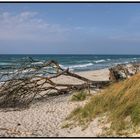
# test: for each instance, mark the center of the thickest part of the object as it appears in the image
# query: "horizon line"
(65, 54)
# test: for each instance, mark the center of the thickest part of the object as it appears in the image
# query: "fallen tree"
(30, 80)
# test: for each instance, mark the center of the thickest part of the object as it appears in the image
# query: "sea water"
(73, 62)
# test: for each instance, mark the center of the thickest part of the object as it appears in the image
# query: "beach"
(69, 69)
(46, 117)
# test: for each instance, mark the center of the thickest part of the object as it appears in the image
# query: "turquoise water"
(74, 62)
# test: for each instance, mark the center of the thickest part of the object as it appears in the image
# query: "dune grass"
(121, 103)
(79, 96)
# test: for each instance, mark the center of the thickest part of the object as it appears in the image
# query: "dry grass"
(121, 101)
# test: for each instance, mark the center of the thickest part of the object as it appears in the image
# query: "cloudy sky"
(69, 28)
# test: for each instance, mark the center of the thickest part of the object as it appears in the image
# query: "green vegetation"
(121, 103)
(66, 125)
(79, 96)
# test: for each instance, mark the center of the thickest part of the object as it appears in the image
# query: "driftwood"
(123, 71)
(21, 84)
(30, 81)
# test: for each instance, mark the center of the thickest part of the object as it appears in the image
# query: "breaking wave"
(99, 61)
(77, 66)
(37, 63)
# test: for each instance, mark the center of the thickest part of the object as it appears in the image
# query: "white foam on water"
(63, 67)
(36, 63)
(99, 61)
(26, 71)
(77, 66)
(81, 65)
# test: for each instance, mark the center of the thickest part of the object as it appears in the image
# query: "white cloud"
(28, 26)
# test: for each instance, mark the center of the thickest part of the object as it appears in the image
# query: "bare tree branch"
(22, 84)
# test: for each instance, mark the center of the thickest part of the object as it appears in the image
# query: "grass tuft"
(79, 96)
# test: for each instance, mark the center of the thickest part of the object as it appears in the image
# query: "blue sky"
(70, 28)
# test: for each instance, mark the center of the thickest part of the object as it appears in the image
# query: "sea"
(10, 64)
(73, 62)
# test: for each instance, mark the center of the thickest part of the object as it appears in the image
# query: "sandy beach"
(69, 69)
(45, 118)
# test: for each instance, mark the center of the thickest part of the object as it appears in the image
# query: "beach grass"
(79, 96)
(121, 103)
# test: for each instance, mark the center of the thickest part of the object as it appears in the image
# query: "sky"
(69, 28)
